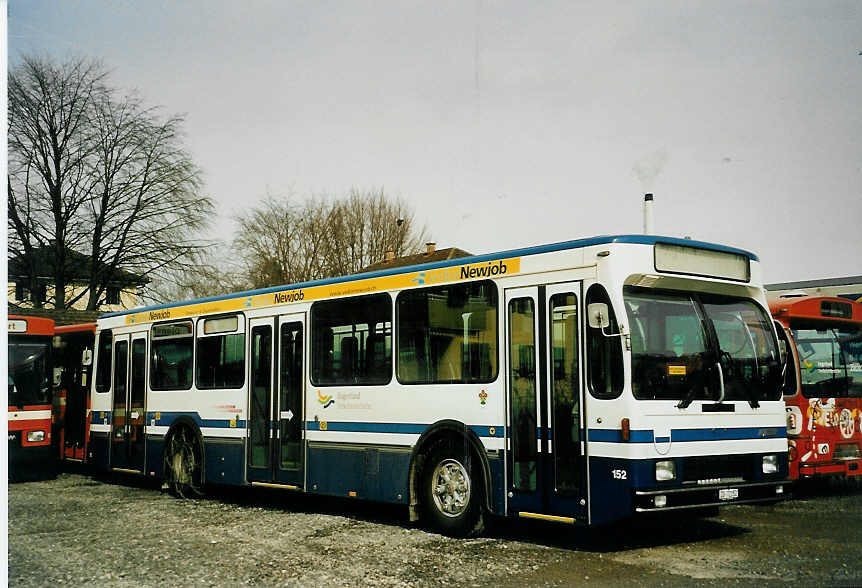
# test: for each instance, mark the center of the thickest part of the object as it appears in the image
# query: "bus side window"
(448, 334)
(340, 334)
(103, 365)
(171, 355)
(604, 354)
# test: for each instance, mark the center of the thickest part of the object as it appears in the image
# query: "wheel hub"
(451, 487)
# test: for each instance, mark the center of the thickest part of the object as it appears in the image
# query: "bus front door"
(127, 422)
(546, 464)
(276, 448)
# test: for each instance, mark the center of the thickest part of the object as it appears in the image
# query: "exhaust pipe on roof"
(649, 222)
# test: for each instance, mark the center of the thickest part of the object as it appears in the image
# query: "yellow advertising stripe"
(444, 275)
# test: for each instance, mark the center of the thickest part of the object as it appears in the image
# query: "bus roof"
(535, 250)
(820, 308)
(33, 325)
(79, 328)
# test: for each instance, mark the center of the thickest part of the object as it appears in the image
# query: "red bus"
(73, 361)
(30, 378)
(823, 384)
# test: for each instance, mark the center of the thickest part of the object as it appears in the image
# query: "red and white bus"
(823, 384)
(29, 416)
(73, 362)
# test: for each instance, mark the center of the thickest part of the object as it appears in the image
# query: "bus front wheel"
(451, 493)
(183, 464)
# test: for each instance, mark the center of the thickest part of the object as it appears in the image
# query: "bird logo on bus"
(325, 401)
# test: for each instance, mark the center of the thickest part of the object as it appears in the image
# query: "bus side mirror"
(598, 315)
(87, 357)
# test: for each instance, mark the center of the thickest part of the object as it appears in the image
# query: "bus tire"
(183, 464)
(452, 491)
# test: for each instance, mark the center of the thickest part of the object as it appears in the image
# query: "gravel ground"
(76, 530)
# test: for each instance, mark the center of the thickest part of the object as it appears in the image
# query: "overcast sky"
(506, 124)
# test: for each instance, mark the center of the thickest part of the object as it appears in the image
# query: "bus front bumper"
(679, 498)
(839, 467)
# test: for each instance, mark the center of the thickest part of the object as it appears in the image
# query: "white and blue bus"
(580, 382)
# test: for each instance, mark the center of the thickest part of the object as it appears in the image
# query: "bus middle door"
(127, 422)
(545, 466)
(276, 449)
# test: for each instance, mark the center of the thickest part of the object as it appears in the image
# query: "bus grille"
(715, 469)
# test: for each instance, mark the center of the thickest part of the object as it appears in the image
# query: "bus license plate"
(728, 493)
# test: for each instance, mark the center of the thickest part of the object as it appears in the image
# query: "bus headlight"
(664, 471)
(35, 436)
(769, 464)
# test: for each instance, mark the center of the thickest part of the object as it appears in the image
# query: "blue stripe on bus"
(575, 244)
(616, 436)
(593, 435)
(680, 435)
(167, 418)
(728, 433)
(402, 428)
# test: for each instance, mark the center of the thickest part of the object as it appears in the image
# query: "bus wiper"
(689, 397)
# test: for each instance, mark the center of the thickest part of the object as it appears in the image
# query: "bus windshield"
(691, 347)
(28, 374)
(830, 362)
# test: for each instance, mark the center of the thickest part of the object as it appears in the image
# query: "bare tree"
(283, 240)
(147, 207)
(98, 173)
(209, 272)
(364, 226)
(288, 240)
(50, 141)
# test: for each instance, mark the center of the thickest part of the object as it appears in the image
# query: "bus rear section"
(29, 416)
(823, 386)
(73, 361)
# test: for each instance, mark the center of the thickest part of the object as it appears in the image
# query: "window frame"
(200, 328)
(496, 338)
(713, 345)
(313, 341)
(810, 390)
(112, 293)
(597, 292)
(574, 485)
(792, 385)
(153, 343)
(524, 442)
(96, 372)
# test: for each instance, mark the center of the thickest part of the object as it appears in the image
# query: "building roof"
(60, 317)
(77, 268)
(438, 255)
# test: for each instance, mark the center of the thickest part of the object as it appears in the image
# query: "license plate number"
(728, 493)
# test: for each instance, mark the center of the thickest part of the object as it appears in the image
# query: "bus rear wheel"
(183, 464)
(451, 495)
